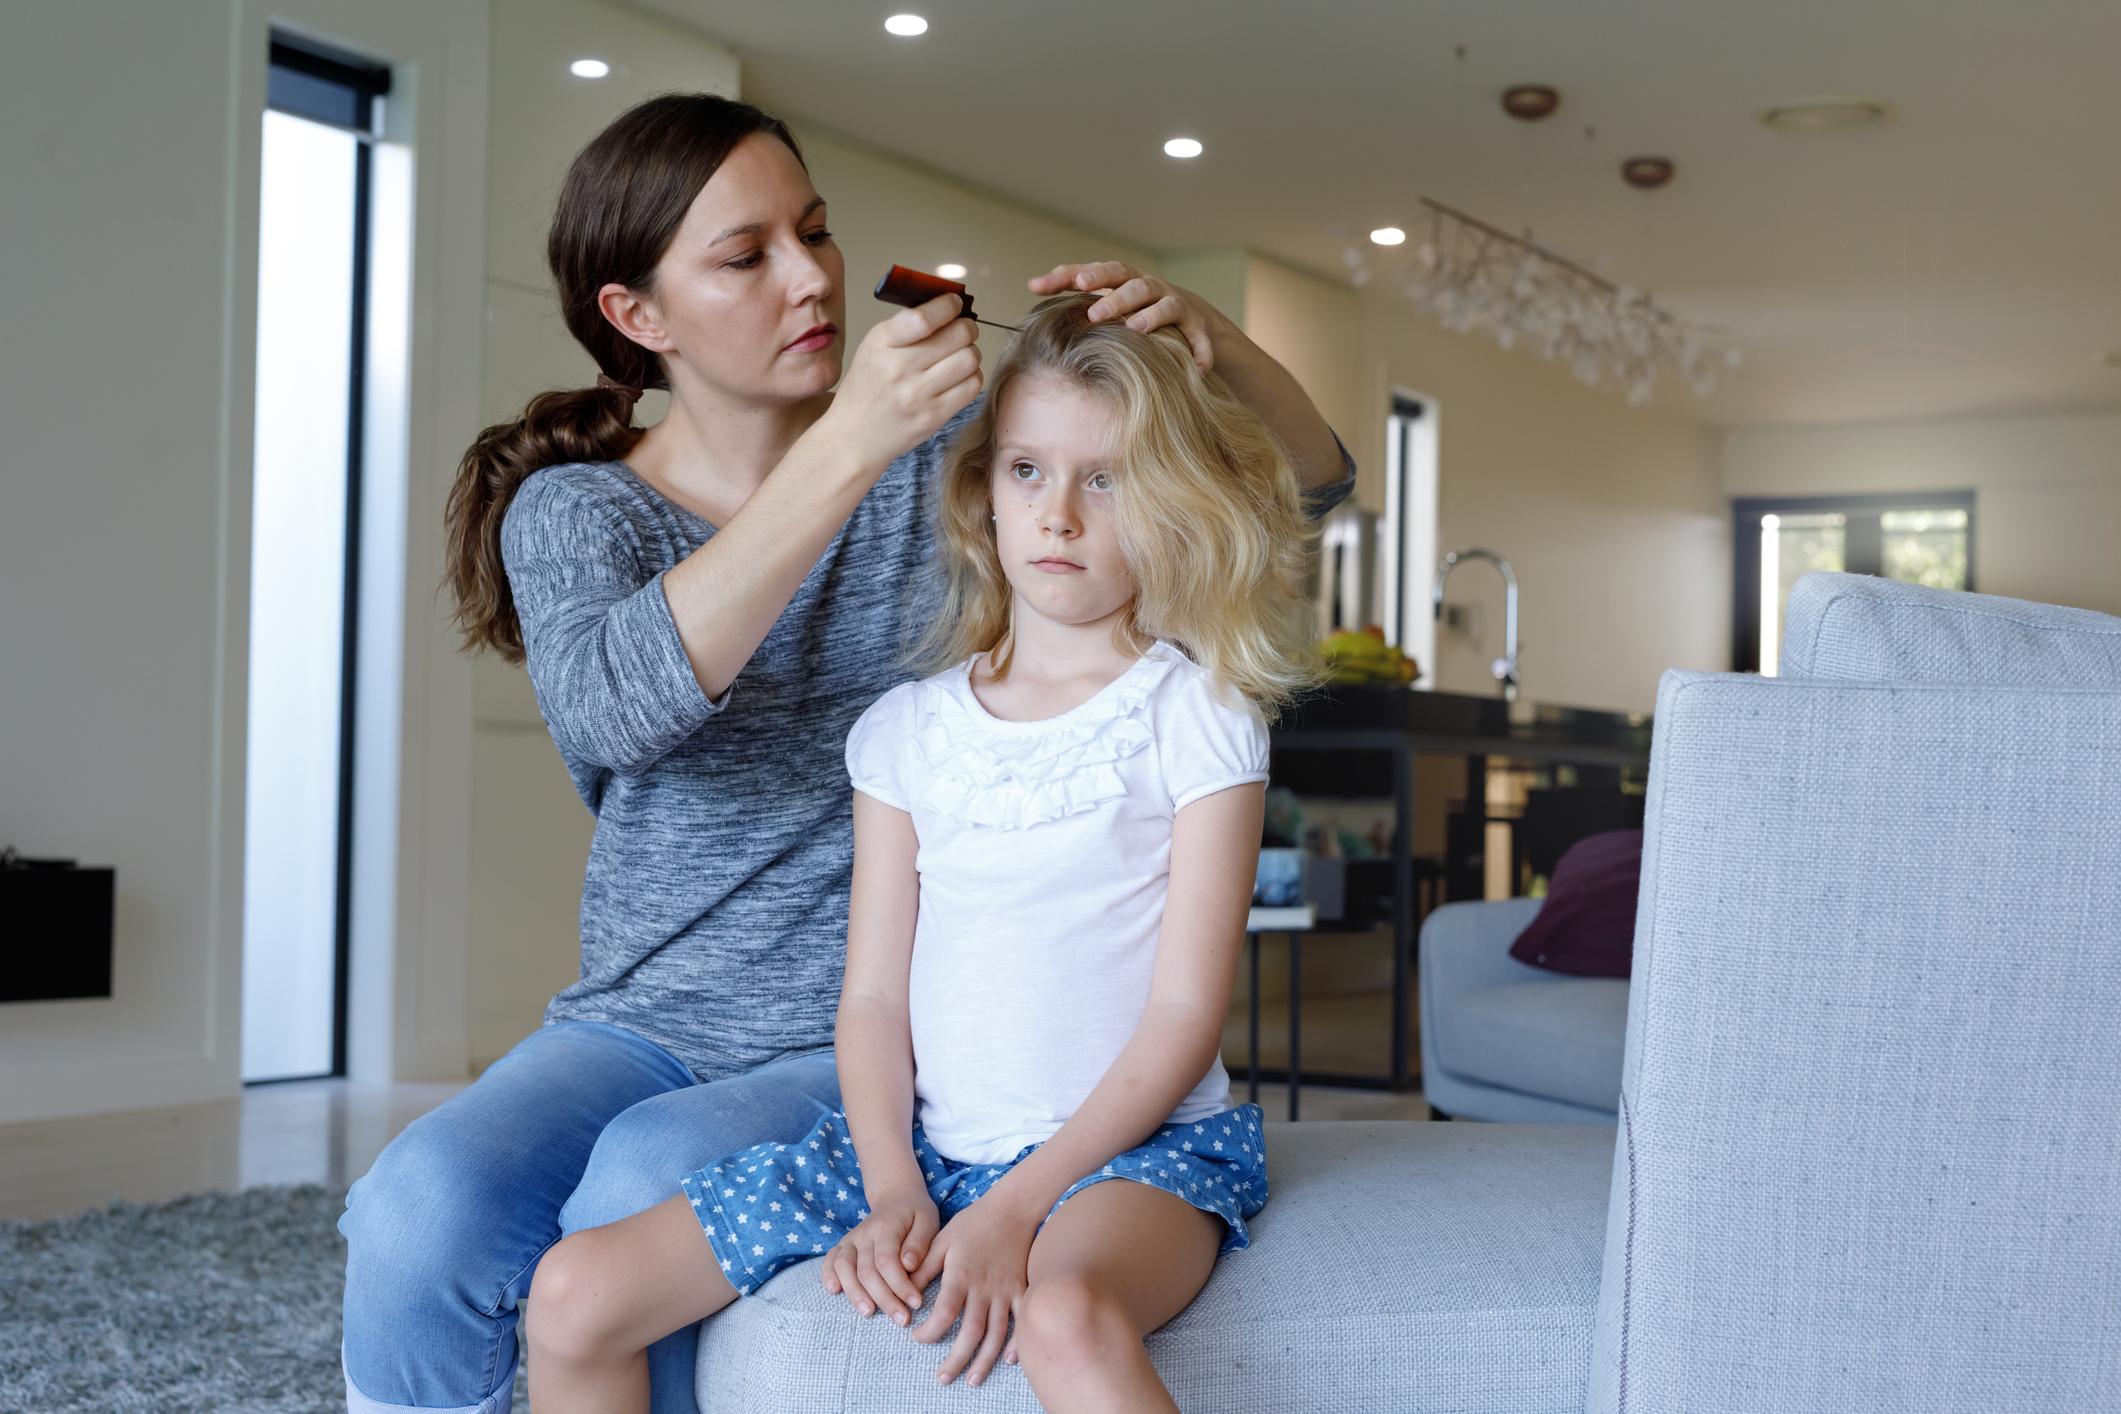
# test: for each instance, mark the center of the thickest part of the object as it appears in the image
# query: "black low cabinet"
(55, 931)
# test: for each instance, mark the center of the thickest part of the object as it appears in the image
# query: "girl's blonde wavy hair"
(1209, 511)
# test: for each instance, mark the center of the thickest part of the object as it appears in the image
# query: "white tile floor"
(326, 1131)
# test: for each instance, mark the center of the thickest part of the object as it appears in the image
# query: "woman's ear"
(635, 316)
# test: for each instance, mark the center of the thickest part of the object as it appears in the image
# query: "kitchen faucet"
(1504, 667)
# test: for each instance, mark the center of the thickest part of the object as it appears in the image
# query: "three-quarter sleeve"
(1321, 499)
(611, 674)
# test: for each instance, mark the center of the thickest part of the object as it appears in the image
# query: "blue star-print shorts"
(774, 1205)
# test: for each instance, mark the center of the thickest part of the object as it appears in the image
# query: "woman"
(704, 608)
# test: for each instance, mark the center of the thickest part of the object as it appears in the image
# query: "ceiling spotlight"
(1182, 147)
(1647, 173)
(1388, 235)
(1530, 101)
(589, 68)
(1818, 115)
(906, 26)
(950, 270)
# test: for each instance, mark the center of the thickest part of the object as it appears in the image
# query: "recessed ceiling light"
(1825, 114)
(906, 26)
(950, 270)
(1530, 101)
(1388, 235)
(589, 68)
(1182, 147)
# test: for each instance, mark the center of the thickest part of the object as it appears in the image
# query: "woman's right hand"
(872, 1266)
(912, 373)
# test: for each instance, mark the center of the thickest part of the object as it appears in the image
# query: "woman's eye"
(746, 262)
(818, 237)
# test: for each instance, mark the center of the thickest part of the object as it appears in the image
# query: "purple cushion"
(1586, 926)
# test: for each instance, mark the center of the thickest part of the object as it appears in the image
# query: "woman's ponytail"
(620, 206)
(586, 425)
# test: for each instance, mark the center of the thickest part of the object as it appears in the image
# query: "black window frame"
(325, 85)
(1864, 553)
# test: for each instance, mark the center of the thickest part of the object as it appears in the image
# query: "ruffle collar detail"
(980, 769)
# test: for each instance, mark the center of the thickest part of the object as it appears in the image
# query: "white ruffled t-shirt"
(1045, 856)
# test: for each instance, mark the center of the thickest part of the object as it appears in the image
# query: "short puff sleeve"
(878, 746)
(1208, 738)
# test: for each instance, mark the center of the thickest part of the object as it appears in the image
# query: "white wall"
(1610, 515)
(2047, 490)
(130, 145)
(530, 833)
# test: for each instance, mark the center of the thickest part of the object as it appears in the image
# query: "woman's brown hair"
(620, 206)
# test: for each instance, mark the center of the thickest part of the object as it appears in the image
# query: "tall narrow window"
(1408, 532)
(1917, 539)
(315, 174)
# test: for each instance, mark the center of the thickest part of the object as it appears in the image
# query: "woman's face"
(750, 278)
(1055, 493)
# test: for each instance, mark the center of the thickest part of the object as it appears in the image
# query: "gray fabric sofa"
(1868, 1143)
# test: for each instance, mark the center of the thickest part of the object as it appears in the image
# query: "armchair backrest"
(1876, 630)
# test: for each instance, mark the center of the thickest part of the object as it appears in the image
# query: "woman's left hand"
(1144, 301)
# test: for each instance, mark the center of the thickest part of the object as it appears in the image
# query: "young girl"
(1055, 843)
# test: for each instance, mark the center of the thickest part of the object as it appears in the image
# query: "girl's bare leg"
(604, 1295)
(1117, 1261)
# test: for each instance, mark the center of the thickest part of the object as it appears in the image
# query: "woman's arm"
(626, 664)
(1214, 860)
(1262, 384)
(911, 375)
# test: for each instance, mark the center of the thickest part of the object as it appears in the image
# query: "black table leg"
(1296, 1010)
(1252, 942)
(1402, 909)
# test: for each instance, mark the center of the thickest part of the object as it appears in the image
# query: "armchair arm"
(1871, 1020)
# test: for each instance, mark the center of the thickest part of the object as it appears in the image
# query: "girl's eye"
(1101, 482)
(1022, 467)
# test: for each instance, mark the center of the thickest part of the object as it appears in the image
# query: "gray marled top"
(714, 911)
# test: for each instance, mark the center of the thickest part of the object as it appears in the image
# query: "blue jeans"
(580, 1125)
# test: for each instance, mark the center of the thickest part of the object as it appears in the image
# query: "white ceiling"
(1963, 259)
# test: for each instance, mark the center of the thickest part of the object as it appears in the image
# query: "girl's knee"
(574, 1314)
(1069, 1322)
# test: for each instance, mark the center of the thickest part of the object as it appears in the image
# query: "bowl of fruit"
(1363, 659)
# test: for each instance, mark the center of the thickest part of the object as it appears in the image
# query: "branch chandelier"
(1469, 274)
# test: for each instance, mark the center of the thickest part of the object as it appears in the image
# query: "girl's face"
(752, 271)
(1054, 493)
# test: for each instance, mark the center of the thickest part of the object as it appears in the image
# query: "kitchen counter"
(1457, 722)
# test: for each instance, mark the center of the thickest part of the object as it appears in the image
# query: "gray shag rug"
(224, 1303)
